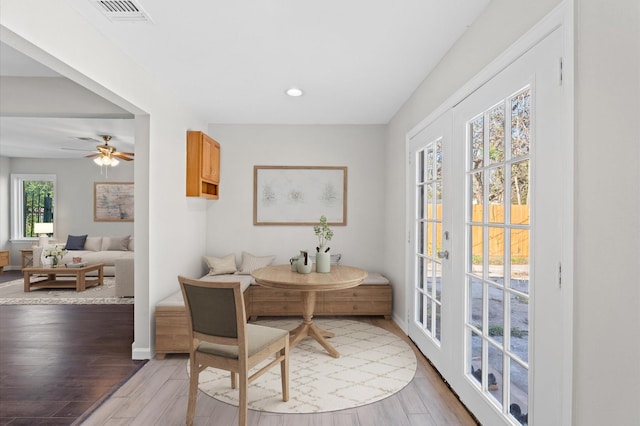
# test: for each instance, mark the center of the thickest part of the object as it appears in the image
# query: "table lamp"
(43, 228)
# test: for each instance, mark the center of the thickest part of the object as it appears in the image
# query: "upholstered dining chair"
(221, 338)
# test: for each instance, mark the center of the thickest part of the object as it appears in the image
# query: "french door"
(430, 158)
(486, 207)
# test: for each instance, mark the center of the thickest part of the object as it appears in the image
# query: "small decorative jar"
(304, 263)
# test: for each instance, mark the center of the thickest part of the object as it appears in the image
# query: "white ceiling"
(357, 61)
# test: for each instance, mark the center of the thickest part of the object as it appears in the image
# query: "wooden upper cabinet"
(203, 165)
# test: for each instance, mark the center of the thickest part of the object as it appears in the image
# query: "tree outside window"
(33, 198)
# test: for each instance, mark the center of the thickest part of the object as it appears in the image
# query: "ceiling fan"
(107, 155)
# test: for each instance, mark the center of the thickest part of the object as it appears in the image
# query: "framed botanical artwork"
(299, 195)
(113, 201)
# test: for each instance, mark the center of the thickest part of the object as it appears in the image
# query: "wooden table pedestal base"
(308, 328)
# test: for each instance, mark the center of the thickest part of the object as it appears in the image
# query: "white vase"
(323, 260)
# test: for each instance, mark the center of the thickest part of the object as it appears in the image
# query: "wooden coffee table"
(280, 276)
(79, 279)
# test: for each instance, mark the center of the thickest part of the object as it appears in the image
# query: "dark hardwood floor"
(59, 362)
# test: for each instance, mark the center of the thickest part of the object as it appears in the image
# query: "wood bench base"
(371, 300)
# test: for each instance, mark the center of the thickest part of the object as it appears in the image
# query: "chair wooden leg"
(242, 407)
(284, 372)
(193, 389)
(234, 380)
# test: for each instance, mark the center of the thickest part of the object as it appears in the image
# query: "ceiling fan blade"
(127, 153)
(121, 156)
(84, 138)
(97, 154)
(77, 149)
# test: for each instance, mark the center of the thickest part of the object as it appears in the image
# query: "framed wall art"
(113, 201)
(299, 195)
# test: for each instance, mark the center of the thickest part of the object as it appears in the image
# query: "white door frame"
(561, 17)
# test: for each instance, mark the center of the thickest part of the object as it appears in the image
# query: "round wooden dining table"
(281, 277)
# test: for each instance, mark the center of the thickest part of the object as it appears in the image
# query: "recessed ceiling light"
(294, 92)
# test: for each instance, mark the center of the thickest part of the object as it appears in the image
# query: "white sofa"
(97, 250)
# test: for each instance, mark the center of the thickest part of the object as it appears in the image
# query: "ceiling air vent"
(122, 10)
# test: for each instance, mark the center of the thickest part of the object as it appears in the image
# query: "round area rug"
(373, 364)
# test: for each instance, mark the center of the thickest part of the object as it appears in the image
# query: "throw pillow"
(221, 265)
(251, 262)
(75, 242)
(93, 244)
(115, 243)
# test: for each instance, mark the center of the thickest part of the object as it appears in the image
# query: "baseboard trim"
(141, 353)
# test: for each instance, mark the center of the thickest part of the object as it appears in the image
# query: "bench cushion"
(176, 300)
(375, 278)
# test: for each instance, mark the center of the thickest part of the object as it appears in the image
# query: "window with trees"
(33, 201)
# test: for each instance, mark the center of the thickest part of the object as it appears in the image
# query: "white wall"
(73, 209)
(168, 226)
(607, 222)
(359, 148)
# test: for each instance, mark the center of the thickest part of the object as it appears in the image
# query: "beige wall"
(359, 148)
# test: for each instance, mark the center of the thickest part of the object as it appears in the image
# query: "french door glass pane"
(420, 237)
(476, 302)
(496, 313)
(519, 392)
(519, 260)
(438, 313)
(477, 248)
(477, 142)
(519, 333)
(520, 124)
(420, 311)
(495, 375)
(476, 212)
(496, 134)
(429, 276)
(475, 343)
(427, 320)
(520, 193)
(438, 176)
(438, 281)
(496, 255)
(496, 194)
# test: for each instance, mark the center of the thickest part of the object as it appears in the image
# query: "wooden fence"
(519, 237)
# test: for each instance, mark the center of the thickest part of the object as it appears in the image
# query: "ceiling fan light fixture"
(106, 160)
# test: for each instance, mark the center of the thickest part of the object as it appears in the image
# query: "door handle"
(443, 254)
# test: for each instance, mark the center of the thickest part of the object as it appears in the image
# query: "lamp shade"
(43, 228)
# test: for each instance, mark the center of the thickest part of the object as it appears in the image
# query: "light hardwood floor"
(157, 395)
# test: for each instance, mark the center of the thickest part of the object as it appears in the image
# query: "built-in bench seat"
(371, 298)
